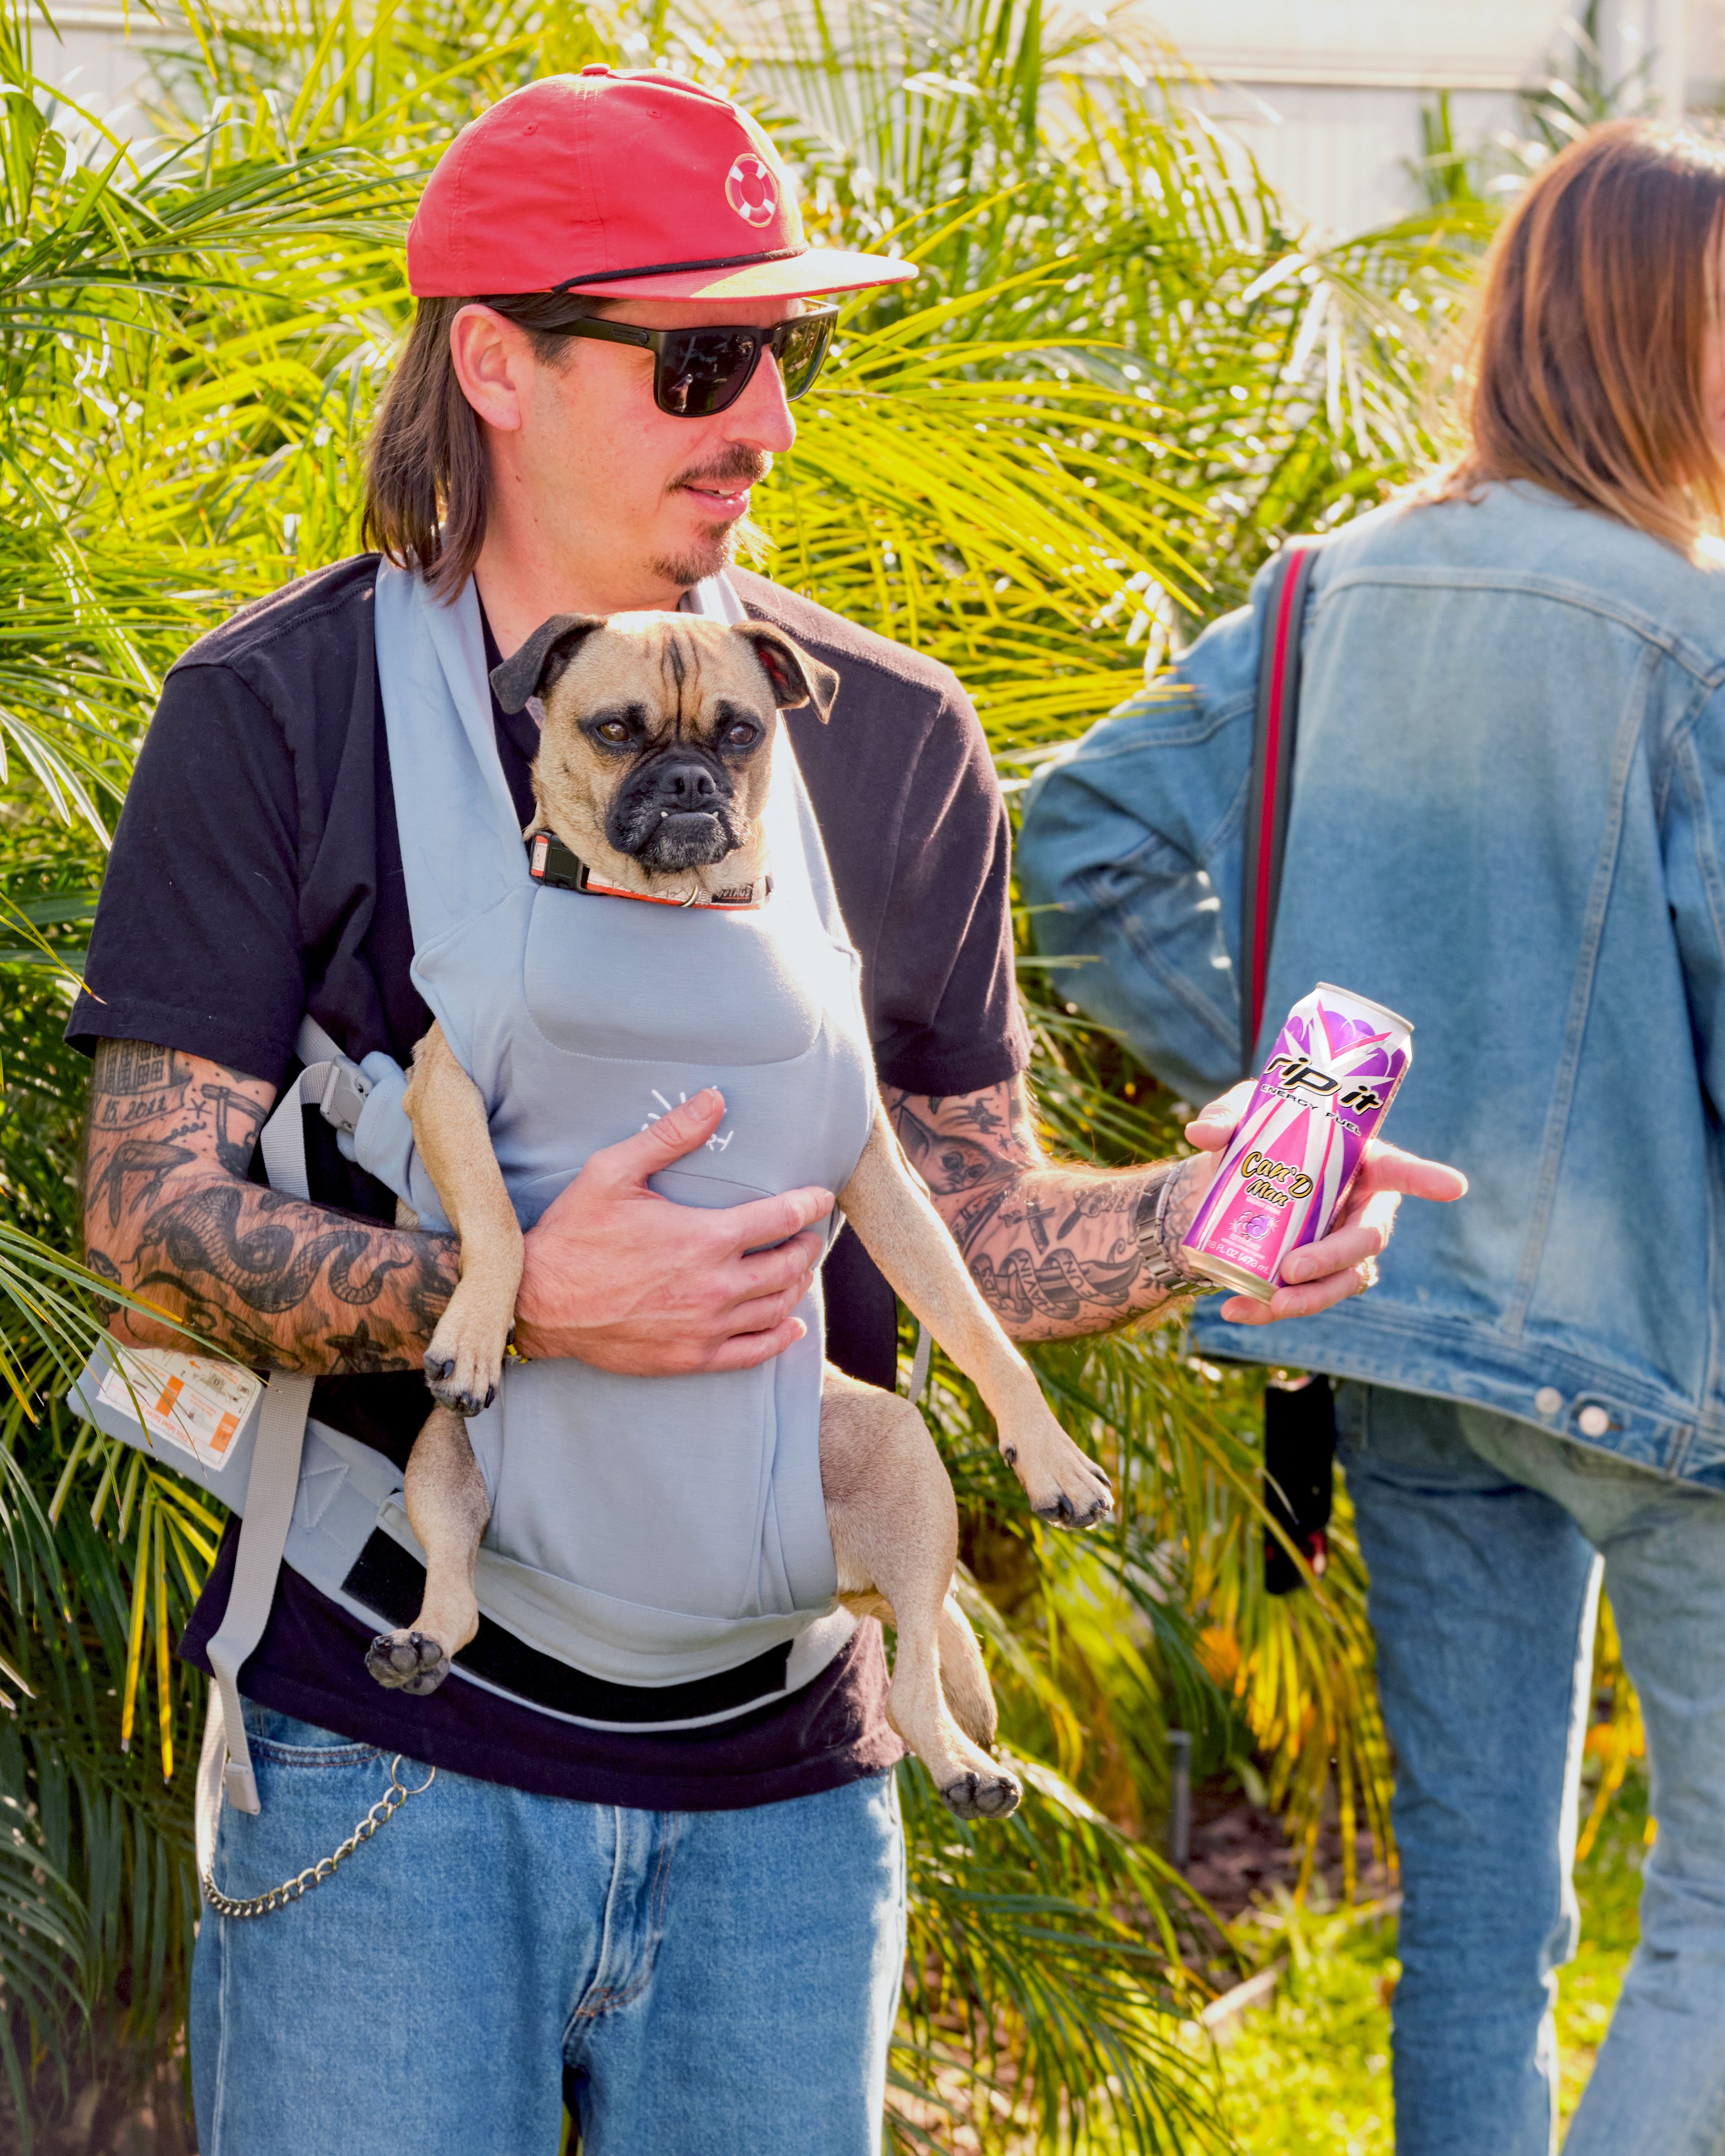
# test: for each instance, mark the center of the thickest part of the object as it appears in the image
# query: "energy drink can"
(1324, 1091)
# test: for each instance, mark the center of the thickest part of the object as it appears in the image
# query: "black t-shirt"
(256, 874)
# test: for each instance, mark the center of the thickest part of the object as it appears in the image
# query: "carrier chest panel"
(674, 1526)
(593, 1017)
(671, 984)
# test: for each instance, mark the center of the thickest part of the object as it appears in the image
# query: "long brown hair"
(1584, 364)
(425, 466)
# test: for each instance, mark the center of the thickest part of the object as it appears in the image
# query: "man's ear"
(545, 655)
(796, 678)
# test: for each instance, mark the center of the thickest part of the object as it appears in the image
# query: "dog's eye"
(613, 731)
(742, 734)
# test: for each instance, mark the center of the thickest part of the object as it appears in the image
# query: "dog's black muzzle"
(675, 813)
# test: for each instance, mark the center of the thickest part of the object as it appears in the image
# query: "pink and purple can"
(1323, 1095)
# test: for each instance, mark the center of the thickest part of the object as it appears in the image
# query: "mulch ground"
(1240, 1855)
(106, 2112)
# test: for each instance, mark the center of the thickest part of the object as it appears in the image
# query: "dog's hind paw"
(408, 1662)
(995, 1795)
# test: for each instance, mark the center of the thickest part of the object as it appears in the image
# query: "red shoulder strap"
(1276, 723)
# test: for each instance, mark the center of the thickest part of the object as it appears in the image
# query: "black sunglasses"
(696, 372)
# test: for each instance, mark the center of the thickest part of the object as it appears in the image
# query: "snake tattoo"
(270, 1269)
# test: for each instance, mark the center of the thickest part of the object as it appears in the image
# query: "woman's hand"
(1345, 1261)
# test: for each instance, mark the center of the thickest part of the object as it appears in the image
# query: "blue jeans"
(1485, 1539)
(703, 1984)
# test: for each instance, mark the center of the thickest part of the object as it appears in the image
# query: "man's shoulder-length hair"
(425, 466)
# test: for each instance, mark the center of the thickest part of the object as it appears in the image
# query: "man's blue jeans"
(1485, 1539)
(711, 1983)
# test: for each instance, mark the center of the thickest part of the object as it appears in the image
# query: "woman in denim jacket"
(1508, 822)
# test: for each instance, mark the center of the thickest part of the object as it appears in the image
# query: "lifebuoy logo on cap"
(752, 190)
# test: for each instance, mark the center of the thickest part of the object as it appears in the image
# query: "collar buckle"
(549, 861)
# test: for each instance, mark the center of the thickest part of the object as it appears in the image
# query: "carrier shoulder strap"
(1274, 724)
(335, 1087)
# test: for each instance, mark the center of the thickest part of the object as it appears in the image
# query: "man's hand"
(1055, 1249)
(1321, 1274)
(619, 1277)
(1058, 1250)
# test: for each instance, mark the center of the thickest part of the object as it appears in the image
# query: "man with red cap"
(678, 1905)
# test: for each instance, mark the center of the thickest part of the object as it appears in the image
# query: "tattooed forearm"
(1055, 1249)
(238, 1124)
(100, 1262)
(151, 1159)
(170, 1218)
(266, 1261)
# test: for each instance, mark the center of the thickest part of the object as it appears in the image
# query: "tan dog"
(616, 695)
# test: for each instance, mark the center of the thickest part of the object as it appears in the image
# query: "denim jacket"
(1508, 812)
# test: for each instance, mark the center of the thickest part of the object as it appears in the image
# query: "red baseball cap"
(615, 182)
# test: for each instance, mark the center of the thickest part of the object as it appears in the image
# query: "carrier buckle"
(344, 1094)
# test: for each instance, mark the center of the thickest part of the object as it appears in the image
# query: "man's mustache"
(743, 467)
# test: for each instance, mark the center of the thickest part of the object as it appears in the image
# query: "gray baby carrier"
(657, 1556)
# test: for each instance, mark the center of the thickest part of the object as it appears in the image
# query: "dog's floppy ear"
(796, 678)
(546, 653)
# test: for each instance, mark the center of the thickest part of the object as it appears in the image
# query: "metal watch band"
(1165, 1265)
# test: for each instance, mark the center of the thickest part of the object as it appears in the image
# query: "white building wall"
(1338, 153)
(98, 58)
(1326, 94)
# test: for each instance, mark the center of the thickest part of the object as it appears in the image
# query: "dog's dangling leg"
(964, 1679)
(964, 1676)
(448, 1506)
(464, 1363)
(895, 1529)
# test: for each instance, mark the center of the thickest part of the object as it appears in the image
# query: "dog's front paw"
(1065, 1487)
(993, 1795)
(443, 1373)
(408, 1662)
(1086, 1508)
(462, 1376)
